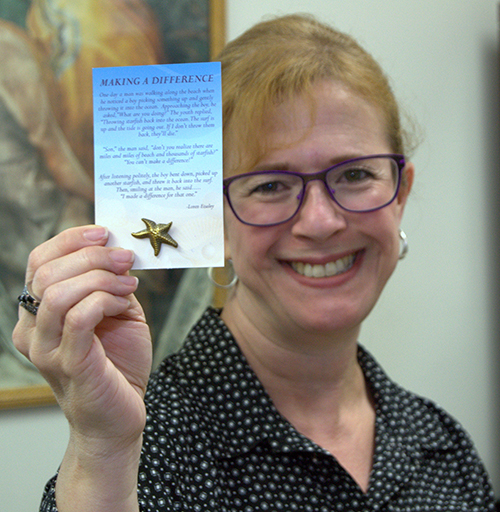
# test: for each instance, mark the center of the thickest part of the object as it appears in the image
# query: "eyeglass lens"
(272, 197)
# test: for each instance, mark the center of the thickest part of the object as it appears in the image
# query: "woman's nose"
(319, 216)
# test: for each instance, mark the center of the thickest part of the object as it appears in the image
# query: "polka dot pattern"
(215, 442)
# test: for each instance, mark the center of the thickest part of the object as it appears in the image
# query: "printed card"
(158, 162)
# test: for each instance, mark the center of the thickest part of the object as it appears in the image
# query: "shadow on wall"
(492, 187)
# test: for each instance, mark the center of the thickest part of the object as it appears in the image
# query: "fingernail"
(96, 233)
(123, 300)
(122, 255)
(128, 280)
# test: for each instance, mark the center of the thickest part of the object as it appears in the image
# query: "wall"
(434, 329)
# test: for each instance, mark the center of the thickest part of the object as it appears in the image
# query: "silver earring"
(231, 282)
(404, 244)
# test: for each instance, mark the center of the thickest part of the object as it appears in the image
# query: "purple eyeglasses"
(268, 198)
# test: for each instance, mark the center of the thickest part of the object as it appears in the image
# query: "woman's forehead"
(329, 107)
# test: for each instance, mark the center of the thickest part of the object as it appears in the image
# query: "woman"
(271, 404)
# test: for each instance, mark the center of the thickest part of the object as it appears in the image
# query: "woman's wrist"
(99, 476)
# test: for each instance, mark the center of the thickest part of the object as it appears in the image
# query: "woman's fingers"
(61, 298)
(79, 346)
(66, 242)
(79, 282)
(74, 252)
(77, 339)
(114, 260)
(89, 338)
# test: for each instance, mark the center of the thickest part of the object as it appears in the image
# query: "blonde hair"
(280, 58)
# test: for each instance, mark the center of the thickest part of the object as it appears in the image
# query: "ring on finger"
(28, 300)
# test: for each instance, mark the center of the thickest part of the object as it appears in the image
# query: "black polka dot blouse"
(214, 442)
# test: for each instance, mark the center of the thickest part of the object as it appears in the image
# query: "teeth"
(330, 269)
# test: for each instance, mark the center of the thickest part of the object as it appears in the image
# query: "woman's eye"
(267, 188)
(356, 175)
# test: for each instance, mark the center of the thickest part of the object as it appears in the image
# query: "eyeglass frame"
(320, 175)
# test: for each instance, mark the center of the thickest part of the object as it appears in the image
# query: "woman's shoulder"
(407, 411)
(416, 435)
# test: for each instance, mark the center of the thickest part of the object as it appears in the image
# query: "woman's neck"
(315, 382)
(293, 363)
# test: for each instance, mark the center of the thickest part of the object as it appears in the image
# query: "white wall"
(434, 329)
(32, 443)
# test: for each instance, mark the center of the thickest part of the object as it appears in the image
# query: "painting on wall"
(47, 51)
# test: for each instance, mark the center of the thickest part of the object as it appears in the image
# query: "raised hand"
(90, 341)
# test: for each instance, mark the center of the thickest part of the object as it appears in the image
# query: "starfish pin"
(157, 234)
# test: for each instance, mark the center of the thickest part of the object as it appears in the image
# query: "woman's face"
(270, 261)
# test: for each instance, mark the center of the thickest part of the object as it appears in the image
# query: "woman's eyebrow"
(282, 166)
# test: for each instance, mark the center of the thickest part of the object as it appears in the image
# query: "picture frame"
(57, 46)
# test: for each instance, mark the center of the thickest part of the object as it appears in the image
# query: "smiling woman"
(271, 403)
(316, 232)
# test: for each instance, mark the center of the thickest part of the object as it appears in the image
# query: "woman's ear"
(227, 250)
(407, 176)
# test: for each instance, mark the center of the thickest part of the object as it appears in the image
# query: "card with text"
(158, 162)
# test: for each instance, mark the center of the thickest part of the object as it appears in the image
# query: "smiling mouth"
(332, 268)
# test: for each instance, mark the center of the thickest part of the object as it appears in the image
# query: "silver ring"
(28, 302)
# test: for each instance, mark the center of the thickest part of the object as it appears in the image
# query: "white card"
(158, 157)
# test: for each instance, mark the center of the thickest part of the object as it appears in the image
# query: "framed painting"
(47, 51)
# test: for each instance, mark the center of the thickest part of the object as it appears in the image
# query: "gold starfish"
(157, 234)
